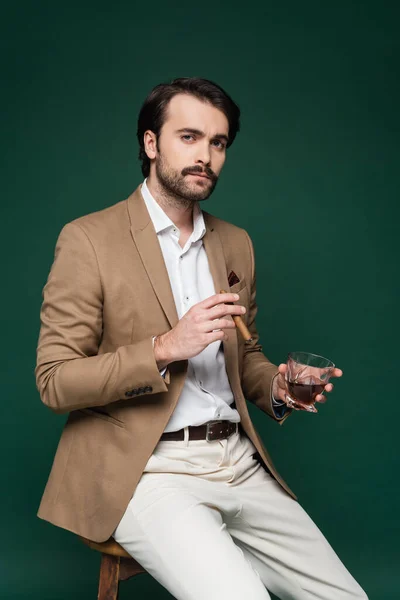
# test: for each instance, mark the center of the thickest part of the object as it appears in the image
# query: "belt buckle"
(209, 432)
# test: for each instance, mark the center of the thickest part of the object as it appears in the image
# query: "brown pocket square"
(233, 278)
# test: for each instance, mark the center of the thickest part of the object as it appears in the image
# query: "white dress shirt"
(206, 394)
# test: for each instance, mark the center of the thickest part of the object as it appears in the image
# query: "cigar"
(239, 324)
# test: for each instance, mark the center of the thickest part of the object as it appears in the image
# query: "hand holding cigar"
(240, 324)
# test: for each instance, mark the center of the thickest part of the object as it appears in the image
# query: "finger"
(337, 373)
(281, 377)
(217, 325)
(282, 369)
(221, 310)
(329, 387)
(215, 336)
(320, 398)
(218, 299)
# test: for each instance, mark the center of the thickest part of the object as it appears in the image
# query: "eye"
(186, 136)
(218, 144)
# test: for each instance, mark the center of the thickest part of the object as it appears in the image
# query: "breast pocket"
(237, 287)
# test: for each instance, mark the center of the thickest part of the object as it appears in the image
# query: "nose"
(203, 154)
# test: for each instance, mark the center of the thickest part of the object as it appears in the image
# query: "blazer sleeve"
(70, 374)
(258, 371)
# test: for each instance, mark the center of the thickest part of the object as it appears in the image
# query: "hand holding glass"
(306, 376)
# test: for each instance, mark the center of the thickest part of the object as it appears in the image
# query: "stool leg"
(109, 577)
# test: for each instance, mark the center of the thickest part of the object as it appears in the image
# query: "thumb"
(282, 369)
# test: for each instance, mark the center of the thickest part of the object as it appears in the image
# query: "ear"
(150, 143)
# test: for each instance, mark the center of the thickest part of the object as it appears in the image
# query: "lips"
(199, 175)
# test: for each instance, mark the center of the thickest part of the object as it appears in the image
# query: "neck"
(179, 210)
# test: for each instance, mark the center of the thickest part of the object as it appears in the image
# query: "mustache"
(198, 169)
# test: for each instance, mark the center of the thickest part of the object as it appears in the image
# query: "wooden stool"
(116, 565)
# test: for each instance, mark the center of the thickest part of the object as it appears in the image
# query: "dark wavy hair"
(153, 112)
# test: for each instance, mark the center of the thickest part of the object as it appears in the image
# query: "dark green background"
(313, 177)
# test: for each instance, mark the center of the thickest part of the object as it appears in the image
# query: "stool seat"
(110, 546)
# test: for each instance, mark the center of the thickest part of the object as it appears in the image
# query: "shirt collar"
(161, 220)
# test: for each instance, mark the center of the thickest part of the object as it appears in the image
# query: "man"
(139, 346)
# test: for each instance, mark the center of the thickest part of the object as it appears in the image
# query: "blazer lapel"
(217, 263)
(145, 238)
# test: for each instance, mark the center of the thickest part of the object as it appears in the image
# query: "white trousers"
(209, 523)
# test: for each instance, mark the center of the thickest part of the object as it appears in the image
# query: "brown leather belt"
(211, 431)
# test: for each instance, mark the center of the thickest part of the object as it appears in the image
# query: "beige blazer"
(107, 294)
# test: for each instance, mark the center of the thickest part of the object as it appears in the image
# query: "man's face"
(191, 148)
